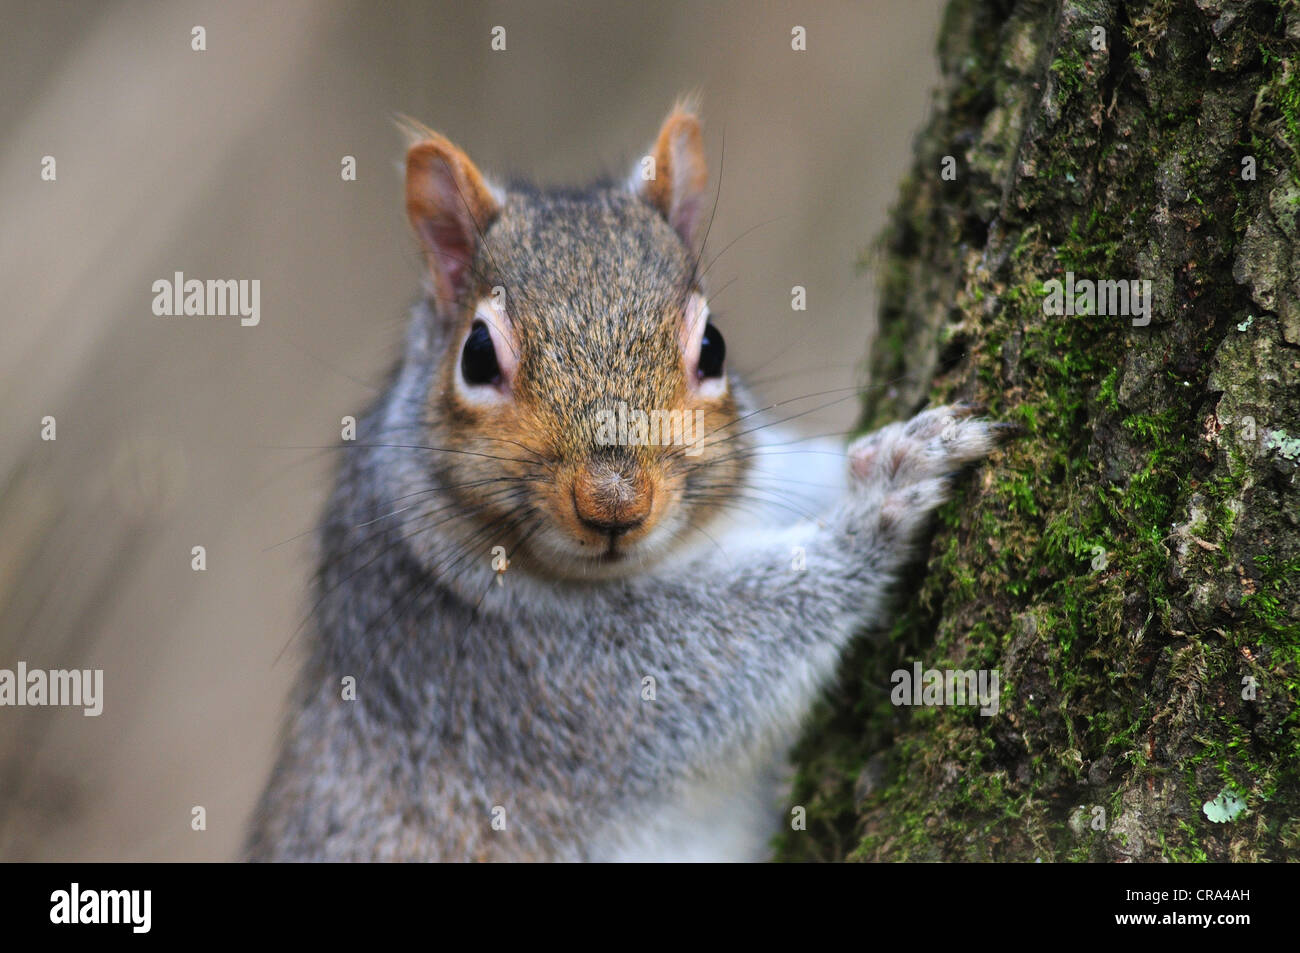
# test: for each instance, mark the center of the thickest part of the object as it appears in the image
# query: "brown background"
(175, 432)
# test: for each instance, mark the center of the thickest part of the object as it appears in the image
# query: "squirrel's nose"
(612, 499)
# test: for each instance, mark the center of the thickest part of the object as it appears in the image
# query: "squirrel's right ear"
(450, 205)
(674, 177)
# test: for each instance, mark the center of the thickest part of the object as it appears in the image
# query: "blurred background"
(187, 431)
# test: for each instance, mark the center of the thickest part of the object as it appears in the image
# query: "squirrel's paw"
(930, 446)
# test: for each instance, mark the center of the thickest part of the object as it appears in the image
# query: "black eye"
(713, 351)
(479, 362)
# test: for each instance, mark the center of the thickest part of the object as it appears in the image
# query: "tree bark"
(1130, 566)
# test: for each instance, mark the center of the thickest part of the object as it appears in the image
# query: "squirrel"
(566, 641)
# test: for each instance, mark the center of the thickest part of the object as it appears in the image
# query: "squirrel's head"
(582, 394)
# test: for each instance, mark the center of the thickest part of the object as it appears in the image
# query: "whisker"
(784, 420)
(395, 446)
(752, 452)
(722, 166)
(421, 528)
(751, 229)
(509, 556)
(731, 492)
(407, 496)
(436, 575)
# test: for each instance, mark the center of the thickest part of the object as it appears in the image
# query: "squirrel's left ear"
(674, 176)
(450, 205)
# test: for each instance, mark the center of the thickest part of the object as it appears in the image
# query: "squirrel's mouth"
(608, 547)
(601, 527)
(588, 556)
(612, 553)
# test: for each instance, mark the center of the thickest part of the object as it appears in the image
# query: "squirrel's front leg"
(739, 645)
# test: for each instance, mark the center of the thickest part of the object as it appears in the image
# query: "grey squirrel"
(564, 646)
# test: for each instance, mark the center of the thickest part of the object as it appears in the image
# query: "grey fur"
(527, 696)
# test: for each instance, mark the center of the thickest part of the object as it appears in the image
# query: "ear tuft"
(450, 206)
(677, 181)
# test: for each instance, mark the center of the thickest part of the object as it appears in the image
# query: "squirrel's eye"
(713, 351)
(479, 361)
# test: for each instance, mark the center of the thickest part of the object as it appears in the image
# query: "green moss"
(1105, 562)
(1275, 137)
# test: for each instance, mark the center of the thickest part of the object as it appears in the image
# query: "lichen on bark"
(1131, 564)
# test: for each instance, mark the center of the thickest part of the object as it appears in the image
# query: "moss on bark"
(1131, 566)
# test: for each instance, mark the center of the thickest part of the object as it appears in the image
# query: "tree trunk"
(1130, 566)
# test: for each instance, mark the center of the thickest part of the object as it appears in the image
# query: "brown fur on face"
(595, 290)
(594, 285)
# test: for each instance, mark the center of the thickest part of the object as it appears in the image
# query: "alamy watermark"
(626, 427)
(1106, 297)
(216, 297)
(54, 687)
(76, 905)
(947, 687)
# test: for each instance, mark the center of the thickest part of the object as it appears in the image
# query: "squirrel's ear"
(450, 205)
(674, 176)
